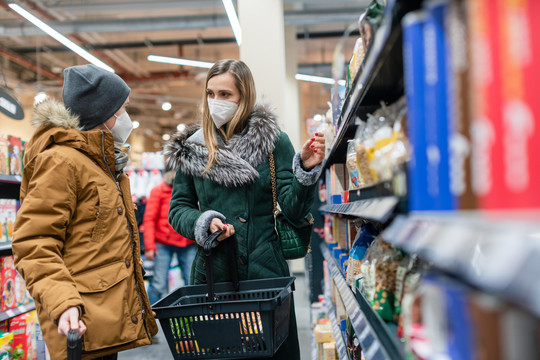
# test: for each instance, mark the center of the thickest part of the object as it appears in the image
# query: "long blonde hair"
(243, 80)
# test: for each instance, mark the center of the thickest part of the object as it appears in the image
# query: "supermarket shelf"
(10, 186)
(5, 249)
(380, 77)
(338, 335)
(493, 253)
(13, 179)
(11, 313)
(376, 340)
(377, 209)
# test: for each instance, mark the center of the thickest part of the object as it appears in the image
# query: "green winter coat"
(237, 189)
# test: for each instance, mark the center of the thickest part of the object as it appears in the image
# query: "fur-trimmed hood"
(237, 160)
(55, 124)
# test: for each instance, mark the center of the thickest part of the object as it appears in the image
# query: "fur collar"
(237, 160)
(52, 112)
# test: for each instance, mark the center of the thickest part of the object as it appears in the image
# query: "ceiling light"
(317, 117)
(166, 137)
(233, 19)
(166, 106)
(40, 96)
(60, 38)
(136, 124)
(179, 61)
(318, 79)
(181, 127)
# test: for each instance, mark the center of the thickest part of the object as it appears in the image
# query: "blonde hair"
(243, 80)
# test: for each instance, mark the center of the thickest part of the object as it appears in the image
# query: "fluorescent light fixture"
(60, 38)
(318, 79)
(166, 106)
(179, 61)
(233, 19)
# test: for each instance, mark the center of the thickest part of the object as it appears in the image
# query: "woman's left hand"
(313, 151)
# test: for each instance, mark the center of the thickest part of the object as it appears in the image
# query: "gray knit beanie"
(93, 93)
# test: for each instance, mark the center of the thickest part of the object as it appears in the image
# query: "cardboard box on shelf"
(329, 351)
(323, 333)
(23, 328)
(15, 154)
(8, 212)
(4, 157)
(6, 343)
(8, 274)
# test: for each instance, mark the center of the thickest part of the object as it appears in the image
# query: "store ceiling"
(124, 32)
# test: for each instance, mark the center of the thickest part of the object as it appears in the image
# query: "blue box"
(438, 122)
(414, 69)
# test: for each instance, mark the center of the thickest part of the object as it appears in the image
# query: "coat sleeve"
(150, 219)
(184, 214)
(49, 200)
(295, 185)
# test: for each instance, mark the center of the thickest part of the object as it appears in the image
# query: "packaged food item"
(385, 282)
(365, 236)
(352, 166)
(15, 150)
(4, 157)
(369, 22)
(6, 343)
(363, 148)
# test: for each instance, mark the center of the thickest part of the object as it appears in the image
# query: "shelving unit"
(10, 313)
(10, 186)
(336, 332)
(379, 79)
(494, 254)
(5, 249)
(375, 338)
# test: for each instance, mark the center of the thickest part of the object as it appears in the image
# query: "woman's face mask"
(122, 128)
(222, 111)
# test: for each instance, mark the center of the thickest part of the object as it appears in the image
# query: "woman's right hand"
(70, 320)
(216, 224)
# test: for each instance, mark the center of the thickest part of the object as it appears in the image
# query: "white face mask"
(222, 111)
(122, 128)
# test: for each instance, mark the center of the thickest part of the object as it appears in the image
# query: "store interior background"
(123, 33)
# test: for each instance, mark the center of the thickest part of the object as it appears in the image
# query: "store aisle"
(301, 298)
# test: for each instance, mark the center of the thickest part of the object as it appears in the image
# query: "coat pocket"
(105, 292)
(102, 212)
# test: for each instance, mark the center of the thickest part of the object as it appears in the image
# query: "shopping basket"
(238, 319)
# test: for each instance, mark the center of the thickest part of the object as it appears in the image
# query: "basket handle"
(74, 345)
(207, 247)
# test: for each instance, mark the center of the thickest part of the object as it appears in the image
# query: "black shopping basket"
(238, 319)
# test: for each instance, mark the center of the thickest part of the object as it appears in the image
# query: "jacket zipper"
(129, 225)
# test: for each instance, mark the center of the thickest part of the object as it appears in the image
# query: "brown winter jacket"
(76, 241)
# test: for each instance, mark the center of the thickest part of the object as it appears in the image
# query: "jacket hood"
(55, 124)
(236, 160)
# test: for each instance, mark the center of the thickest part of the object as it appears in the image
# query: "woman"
(223, 181)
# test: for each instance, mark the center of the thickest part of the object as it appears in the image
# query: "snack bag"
(355, 180)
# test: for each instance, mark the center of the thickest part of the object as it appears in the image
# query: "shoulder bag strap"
(273, 181)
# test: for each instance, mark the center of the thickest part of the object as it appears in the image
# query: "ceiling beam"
(298, 18)
(177, 42)
(28, 64)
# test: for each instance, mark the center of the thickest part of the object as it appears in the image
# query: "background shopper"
(76, 242)
(161, 242)
(223, 181)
